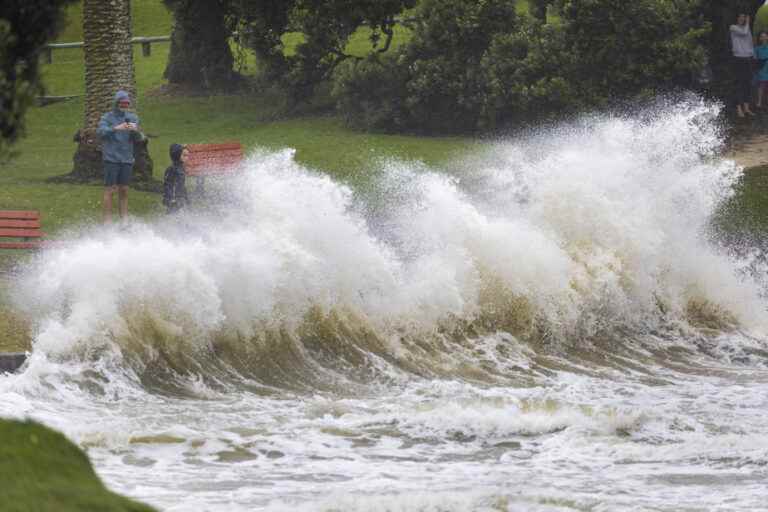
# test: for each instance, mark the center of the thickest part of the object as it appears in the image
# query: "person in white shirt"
(743, 49)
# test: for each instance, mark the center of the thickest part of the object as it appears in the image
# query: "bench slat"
(213, 163)
(215, 156)
(20, 233)
(193, 148)
(13, 223)
(208, 157)
(212, 171)
(21, 245)
(19, 214)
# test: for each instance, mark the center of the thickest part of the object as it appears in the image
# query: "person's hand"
(122, 126)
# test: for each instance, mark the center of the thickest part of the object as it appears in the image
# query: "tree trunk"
(108, 68)
(200, 55)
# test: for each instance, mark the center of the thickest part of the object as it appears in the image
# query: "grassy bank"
(745, 216)
(41, 470)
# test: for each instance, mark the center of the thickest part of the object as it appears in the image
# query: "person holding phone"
(118, 130)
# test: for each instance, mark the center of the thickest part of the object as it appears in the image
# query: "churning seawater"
(550, 325)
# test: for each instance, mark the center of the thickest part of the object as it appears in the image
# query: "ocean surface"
(550, 323)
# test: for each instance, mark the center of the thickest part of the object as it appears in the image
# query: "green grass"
(41, 470)
(149, 17)
(746, 213)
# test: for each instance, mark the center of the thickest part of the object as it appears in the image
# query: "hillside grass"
(41, 470)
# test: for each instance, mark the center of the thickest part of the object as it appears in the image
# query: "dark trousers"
(743, 71)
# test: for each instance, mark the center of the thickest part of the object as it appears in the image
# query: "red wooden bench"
(23, 227)
(217, 160)
(213, 159)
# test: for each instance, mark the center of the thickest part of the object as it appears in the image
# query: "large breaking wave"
(592, 238)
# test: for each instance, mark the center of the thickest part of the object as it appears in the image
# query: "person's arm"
(742, 30)
(105, 129)
(136, 130)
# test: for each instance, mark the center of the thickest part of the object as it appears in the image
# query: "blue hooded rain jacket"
(117, 145)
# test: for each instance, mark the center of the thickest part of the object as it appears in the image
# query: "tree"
(25, 27)
(326, 26)
(476, 66)
(435, 83)
(526, 75)
(200, 55)
(108, 68)
(631, 48)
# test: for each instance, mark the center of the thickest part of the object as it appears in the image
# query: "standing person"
(761, 52)
(743, 56)
(174, 180)
(118, 130)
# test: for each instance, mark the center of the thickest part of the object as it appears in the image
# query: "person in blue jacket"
(118, 130)
(761, 53)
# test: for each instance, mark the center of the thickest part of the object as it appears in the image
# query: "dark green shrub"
(476, 66)
(627, 48)
(25, 27)
(445, 90)
(369, 94)
(434, 84)
(527, 75)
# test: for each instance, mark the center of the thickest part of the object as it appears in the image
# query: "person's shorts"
(117, 174)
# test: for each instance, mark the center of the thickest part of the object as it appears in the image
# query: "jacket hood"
(175, 152)
(121, 95)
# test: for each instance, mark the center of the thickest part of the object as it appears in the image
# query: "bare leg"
(748, 110)
(739, 112)
(122, 195)
(107, 202)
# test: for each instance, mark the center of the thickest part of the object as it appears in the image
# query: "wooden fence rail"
(145, 42)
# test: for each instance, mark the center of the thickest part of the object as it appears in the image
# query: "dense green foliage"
(25, 26)
(436, 80)
(622, 49)
(475, 65)
(526, 75)
(326, 26)
(41, 470)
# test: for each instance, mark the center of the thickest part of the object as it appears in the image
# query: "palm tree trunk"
(108, 68)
